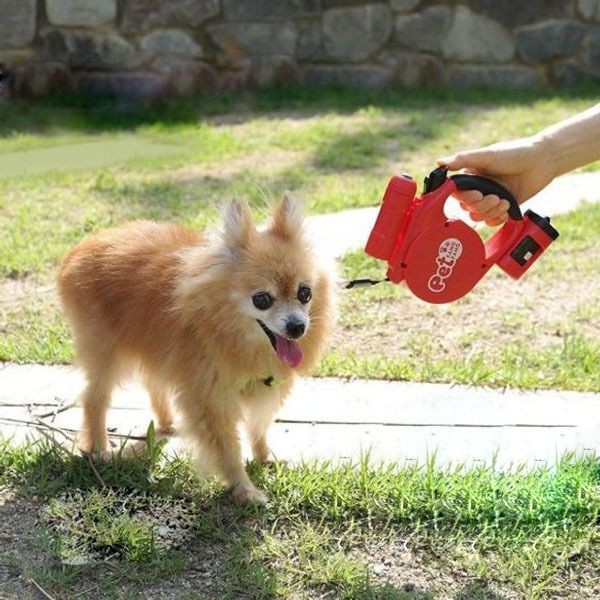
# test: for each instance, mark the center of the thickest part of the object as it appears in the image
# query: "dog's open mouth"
(288, 351)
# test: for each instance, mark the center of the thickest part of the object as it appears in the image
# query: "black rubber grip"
(488, 186)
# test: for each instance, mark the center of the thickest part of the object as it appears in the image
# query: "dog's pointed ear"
(288, 216)
(238, 227)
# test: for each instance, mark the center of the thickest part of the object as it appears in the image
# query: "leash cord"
(362, 283)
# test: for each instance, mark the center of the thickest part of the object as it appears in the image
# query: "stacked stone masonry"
(158, 48)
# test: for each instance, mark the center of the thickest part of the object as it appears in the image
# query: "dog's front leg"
(261, 403)
(214, 427)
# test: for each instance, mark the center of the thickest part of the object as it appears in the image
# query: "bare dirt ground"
(20, 547)
(394, 563)
(278, 160)
(15, 292)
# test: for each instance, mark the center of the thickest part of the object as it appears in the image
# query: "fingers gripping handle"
(488, 186)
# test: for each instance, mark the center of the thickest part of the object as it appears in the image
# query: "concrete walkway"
(335, 419)
(337, 233)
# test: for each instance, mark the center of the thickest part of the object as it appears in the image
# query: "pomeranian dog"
(220, 324)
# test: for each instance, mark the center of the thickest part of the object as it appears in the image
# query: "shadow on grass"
(101, 530)
(350, 159)
(132, 525)
(477, 591)
(95, 529)
(96, 114)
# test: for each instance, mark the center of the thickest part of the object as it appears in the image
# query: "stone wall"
(152, 48)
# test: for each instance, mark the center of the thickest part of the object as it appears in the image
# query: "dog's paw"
(94, 448)
(98, 455)
(248, 494)
(104, 455)
(167, 430)
(263, 460)
(261, 453)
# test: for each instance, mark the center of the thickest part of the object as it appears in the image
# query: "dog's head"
(277, 287)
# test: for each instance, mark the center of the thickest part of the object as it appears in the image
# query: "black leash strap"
(362, 283)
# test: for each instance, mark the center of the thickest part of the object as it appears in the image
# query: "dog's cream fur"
(177, 306)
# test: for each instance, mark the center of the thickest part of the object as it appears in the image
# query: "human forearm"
(574, 142)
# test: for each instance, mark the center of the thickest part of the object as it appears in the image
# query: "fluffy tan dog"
(220, 324)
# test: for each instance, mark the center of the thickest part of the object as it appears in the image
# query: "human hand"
(520, 165)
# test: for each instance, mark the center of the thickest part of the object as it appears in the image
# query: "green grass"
(573, 365)
(334, 148)
(35, 336)
(337, 151)
(345, 531)
(325, 530)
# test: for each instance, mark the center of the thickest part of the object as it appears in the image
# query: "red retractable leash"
(442, 259)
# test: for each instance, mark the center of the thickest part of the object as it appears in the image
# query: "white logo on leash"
(448, 253)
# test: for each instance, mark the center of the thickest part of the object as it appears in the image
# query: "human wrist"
(548, 151)
(573, 143)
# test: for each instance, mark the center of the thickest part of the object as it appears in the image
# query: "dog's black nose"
(295, 328)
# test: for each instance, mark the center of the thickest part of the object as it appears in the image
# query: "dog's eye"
(304, 294)
(263, 300)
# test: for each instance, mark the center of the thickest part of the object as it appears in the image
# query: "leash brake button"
(435, 179)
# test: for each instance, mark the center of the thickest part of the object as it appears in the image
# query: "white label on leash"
(448, 253)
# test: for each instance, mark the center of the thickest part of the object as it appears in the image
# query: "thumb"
(470, 159)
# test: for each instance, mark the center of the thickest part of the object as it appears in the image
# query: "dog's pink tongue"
(288, 351)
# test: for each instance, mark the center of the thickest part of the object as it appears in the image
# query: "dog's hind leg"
(93, 437)
(160, 400)
(101, 368)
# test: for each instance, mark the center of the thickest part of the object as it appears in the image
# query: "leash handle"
(486, 186)
(466, 181)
